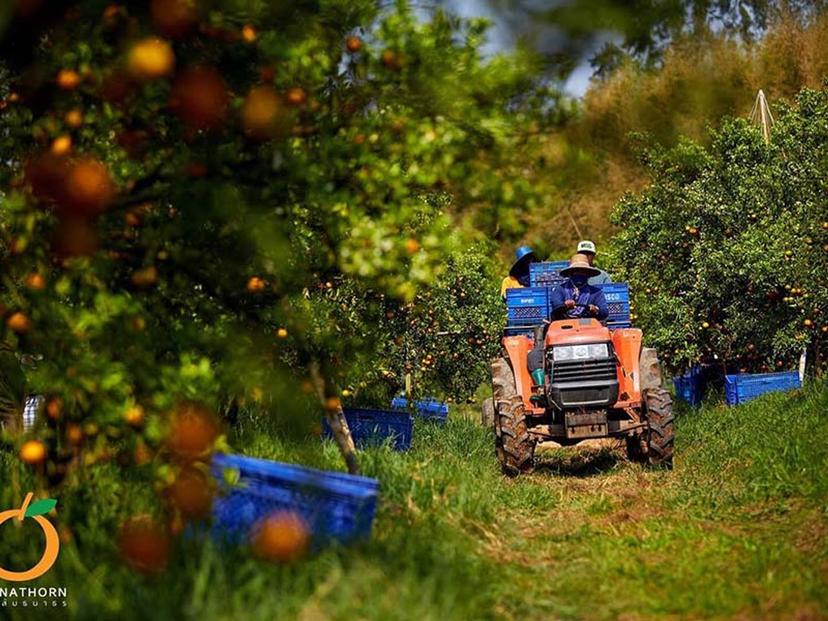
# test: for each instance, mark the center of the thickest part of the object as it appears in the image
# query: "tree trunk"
(336, 419)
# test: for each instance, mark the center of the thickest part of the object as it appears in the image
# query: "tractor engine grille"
(583, 370)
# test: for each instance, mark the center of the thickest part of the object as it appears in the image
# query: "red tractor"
(597, 382)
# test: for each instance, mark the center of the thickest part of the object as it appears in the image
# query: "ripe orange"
(33, 452)
(18, 322)
(282, 537)
(391, 60)
(54, 408)
(74, 434)
(61, 145)
(144, 544)
(174, 18)
(705, 325)
(74, 118)
(150, 59)
(353, 44)
(808, 323)
(35, 282)
(261, 112)
(192, 432)
(192, 493)
(296, 96)
(249, 33)
(199, 98)
(411, 245)
(255, 284)
(68, 79)
(282, 333)
(134, 416)
(88, 188)
(145, 277)
(333, 404)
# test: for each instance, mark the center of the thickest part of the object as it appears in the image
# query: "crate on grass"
(527, 306)
(690, 386)
(372, 427)
(742, 387)
(428, 409)
(335, 506)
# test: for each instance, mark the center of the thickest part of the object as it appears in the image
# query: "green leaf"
(41, 507)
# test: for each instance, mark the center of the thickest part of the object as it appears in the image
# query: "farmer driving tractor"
(576, 297)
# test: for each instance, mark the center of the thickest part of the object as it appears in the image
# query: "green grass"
(737, 530)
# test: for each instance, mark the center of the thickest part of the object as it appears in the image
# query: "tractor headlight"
(580, 352)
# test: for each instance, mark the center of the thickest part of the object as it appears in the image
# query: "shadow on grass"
(577, 463)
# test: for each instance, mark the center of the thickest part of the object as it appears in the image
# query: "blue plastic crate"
(336, 506)
(527, 306)
(690, 386)
(742, 387)
(618, 302)
(546, 273)
(428, 409)
(372, 427)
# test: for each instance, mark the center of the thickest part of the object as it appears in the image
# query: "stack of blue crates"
(742, 387)
(428, 409)
(546, 273)
(618, 301)
(528, 306)
(335, 506)
(373, 427)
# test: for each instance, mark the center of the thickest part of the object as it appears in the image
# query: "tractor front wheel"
(515, 447)
(658, 410)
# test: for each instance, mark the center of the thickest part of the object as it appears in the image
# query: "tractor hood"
(575, 332)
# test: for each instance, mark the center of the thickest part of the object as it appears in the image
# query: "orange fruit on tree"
(88, 188)
(391, 60)
(150, 59)
(296, 96)
(18, 322)
(33, 452)
(54, 407)
(353, 44)
(281, 537)
(192, 493)
(282, 333)
(192, 432)
(174, 18)
(68, 79)
(261, 112)
(74, 118)
(249, 33)
(35, 282)
(333, 404)
(61, 145)
(74, 434)
(144, 544)
(134, 416)
(199, 98)
(411, 245)
(255, 284)
(145, 277)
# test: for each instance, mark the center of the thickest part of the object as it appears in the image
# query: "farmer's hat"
(579, 262)
(586, 246)
(523, 255)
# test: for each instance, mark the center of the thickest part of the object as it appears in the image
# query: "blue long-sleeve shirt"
(585, 295)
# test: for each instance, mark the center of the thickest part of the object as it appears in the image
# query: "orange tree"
(727, 250)
(180, 177)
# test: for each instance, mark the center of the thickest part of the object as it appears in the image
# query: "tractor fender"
(517, 349)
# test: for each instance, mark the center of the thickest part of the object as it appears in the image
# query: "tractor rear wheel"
(515, 447)
(658, 410)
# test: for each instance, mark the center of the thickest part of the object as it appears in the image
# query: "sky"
(502, 36)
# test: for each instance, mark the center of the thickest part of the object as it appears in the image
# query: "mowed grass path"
(737, 530)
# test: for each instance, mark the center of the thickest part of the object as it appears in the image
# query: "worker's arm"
(557, 302)
(599, 300)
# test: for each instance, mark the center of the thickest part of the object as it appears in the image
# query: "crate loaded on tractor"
(592, 379)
